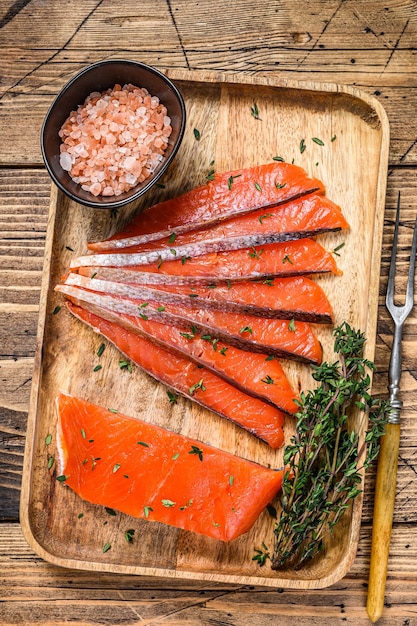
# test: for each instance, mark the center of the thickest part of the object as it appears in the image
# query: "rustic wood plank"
(374, 46)
(61, 594)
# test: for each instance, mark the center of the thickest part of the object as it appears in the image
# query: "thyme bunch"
(326, 458)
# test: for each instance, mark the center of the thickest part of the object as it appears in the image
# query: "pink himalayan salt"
(114, 140)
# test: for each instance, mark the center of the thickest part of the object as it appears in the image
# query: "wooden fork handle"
(386, 479)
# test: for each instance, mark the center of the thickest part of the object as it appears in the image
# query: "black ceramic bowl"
(99, 77)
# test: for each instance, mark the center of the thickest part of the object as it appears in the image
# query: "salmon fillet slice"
(262, 377)
(154, 474)
(288, 258)
(296, 298)
(304, 217)
(198, 384)
(229, 194)
(256, 334)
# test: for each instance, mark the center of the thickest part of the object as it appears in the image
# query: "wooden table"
(43, 43)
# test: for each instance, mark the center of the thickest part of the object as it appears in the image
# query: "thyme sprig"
(326, 457)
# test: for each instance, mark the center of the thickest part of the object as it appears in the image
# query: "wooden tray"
(353, 165)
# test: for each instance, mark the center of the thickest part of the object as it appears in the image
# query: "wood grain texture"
(43, 43)
(63, 595)
(369, 45)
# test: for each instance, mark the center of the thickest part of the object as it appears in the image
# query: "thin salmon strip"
(261, 377)
(288, 258)
(187, 378)
(291, 340)
(154, 474)
(296, 298)
(305, 217)
(229, 194)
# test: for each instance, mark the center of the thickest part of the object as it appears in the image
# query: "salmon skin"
(298, 257)
(261, 377)
(304, 217)
(229, 194)
(188, 379)
(287, 298)
(157, 475)
(278, 338)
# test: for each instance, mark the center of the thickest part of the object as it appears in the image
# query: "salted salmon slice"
(297, 298)
(229, 194)
(280, 338)
(288, 258)
(157, 475)
(261, 377)
(304, 217)
(184, 376)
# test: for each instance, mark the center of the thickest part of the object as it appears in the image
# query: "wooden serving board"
(353, 165)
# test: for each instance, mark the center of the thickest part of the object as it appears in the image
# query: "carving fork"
(388, 455)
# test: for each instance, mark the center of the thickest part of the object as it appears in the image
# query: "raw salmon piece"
(248, 332)
(304, 217)
(198, 384)
(296, 298)
(288, 258)
(229, 194)
(261, 377)
(152, 473)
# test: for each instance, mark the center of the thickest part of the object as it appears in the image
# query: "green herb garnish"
(172, 397)
(196, 386)
(255, 254)
(125, 365)
(291, 326)
(339, 247)
(110, 511)
(101, 349)
(129, 534)
(325, 459)
(255, 111)
(261, 218)
(168, 503)
(196, 450)
(302, 146)
(318, 141)
(197, 134)
(261, 555)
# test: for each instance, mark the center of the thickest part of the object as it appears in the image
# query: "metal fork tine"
(411, 271)
(389, 298)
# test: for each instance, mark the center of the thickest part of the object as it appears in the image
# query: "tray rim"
(276, 81)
